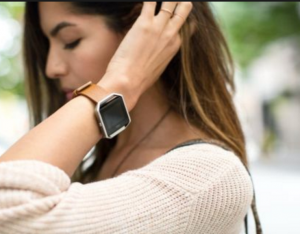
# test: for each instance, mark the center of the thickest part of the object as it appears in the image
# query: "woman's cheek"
(93, 57)
(91, 68)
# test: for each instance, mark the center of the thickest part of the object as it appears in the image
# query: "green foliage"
(11, 81)
(251, 26)
(15, 8)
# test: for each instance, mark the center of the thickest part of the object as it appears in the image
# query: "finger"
(148, 9)
(180, 15)
(165, 13)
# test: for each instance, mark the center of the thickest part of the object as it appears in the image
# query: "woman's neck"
(150, 108)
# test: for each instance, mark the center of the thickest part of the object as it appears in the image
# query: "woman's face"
(80, 47)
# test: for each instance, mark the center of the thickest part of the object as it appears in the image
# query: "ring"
(178, 16)
(166, 10)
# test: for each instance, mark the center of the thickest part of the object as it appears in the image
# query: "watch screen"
(114, 115)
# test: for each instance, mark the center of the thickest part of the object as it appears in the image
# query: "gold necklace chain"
(133, 148)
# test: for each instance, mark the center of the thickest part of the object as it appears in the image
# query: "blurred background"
(264, 38)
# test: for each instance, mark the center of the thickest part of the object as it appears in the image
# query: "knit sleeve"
(188, 190)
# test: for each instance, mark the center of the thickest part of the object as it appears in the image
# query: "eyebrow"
(60, 26)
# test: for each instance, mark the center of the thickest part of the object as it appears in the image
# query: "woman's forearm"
(63, 139)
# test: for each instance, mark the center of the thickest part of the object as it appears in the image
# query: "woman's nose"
(56, 67)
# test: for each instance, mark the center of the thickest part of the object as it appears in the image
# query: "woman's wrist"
(120, 84)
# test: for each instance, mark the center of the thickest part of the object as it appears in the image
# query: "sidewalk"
(277, 188)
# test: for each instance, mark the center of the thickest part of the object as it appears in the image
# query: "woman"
(175, 87)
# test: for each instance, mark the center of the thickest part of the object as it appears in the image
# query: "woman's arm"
(64, 138)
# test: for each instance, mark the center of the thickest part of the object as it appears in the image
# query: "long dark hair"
(198, 80)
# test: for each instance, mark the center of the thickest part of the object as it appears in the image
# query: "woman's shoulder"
(197, 167)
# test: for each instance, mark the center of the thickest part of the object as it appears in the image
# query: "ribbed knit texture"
(199, 188)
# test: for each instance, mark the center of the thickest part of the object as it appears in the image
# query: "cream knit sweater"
(198, 188)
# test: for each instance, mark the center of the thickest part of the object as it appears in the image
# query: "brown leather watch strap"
(91, 91)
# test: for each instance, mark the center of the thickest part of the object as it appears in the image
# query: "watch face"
(114, 115)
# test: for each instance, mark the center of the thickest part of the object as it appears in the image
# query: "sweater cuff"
(36, 176)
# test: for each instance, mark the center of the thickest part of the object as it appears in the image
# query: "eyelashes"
(72, 45)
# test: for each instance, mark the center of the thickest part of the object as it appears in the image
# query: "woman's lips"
(69, 95)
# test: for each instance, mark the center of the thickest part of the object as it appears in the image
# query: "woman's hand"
(146, 50)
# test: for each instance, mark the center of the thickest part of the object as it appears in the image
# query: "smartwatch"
(111, 112)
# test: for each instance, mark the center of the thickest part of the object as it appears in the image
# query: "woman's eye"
(72, 45)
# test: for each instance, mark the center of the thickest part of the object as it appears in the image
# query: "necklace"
(134, 147)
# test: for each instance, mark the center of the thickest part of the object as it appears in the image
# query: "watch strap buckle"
(91, 91)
